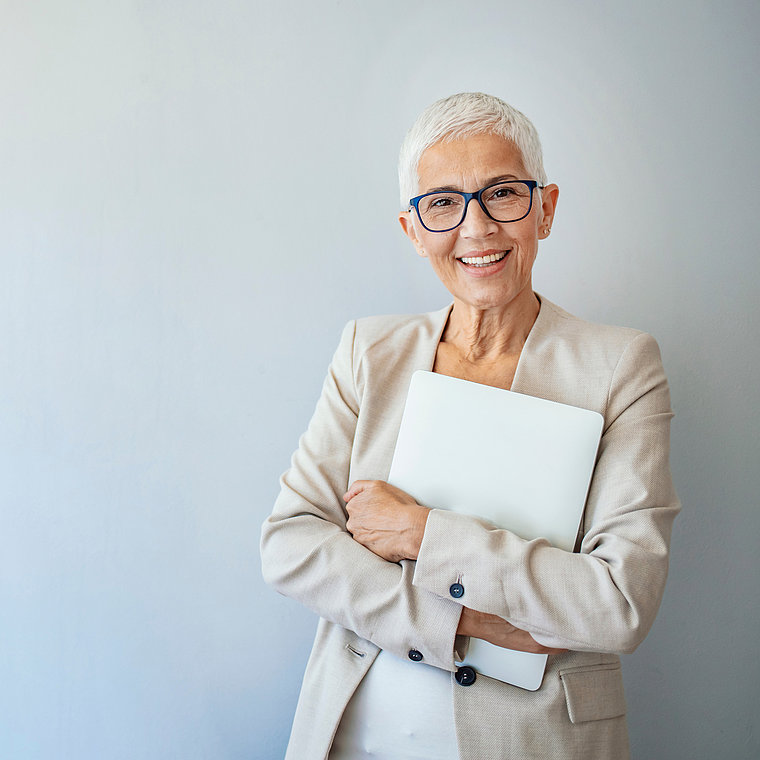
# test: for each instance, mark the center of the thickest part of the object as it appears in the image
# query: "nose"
(476, 222)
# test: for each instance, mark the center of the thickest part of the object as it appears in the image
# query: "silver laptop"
(521, 462)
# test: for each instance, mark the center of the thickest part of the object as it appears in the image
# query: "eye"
(502, 192)
(441, 203)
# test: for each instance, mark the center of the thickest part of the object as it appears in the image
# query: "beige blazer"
(597, 602)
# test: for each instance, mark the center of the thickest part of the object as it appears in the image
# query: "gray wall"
(166, 320)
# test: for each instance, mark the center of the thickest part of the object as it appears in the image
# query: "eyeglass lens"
(505, 201)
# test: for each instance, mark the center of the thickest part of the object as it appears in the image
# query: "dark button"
(415, 655)
(456, 590)
(465, 675)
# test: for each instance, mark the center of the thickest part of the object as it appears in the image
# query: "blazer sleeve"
(308, 555)
(605, 597)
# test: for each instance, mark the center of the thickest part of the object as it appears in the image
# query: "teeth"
(482, 261)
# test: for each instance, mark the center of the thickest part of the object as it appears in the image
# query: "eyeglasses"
(443, 211)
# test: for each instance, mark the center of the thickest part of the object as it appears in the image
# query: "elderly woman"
(382, 679)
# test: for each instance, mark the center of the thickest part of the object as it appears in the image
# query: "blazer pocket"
(593, 693)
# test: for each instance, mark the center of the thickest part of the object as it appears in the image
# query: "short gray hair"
(464, 115)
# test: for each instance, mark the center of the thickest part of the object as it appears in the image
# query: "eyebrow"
(454, 188)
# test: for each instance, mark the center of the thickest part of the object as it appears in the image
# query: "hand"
(496, 630)
(385, 519)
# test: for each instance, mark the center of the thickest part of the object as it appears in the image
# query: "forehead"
(475, 160)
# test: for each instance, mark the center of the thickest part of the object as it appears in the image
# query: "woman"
(380, 569)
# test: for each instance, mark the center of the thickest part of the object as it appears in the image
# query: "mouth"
(488, 260)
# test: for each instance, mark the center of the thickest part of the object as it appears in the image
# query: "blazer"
(596, 602)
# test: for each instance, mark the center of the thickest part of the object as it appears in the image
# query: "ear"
(407, 224)
(549, 197)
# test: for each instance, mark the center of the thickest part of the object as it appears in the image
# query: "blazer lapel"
(534, 367)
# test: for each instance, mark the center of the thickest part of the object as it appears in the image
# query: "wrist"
(418, 532)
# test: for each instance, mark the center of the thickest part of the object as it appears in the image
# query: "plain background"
(195, 197)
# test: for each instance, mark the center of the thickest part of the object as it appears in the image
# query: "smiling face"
(484, 264)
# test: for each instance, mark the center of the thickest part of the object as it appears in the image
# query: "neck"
(483, 335)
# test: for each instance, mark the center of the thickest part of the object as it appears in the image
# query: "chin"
(500, 298)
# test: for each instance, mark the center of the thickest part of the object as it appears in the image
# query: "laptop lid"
(521, 462)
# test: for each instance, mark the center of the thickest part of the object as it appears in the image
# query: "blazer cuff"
(433, 634)
(437, 569)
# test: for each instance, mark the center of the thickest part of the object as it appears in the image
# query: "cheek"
(438, 249)
(528, 240)
(529, 253)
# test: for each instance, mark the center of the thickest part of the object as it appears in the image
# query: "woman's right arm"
(308, 555)
(496, 630)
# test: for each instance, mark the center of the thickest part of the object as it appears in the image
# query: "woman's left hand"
(385, 519)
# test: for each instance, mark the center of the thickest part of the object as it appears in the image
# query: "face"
(457, 256)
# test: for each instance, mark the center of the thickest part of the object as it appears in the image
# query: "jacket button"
(456, 590)
(465, 676)
(415, 655)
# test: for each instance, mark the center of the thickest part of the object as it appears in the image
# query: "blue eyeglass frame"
(414, 203)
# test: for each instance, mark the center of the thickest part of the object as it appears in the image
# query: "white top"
(402, 710)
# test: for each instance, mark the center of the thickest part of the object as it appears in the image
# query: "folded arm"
(391, 524)
(605, 597)
(308, 554)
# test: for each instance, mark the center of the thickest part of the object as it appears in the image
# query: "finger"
(356, 488)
